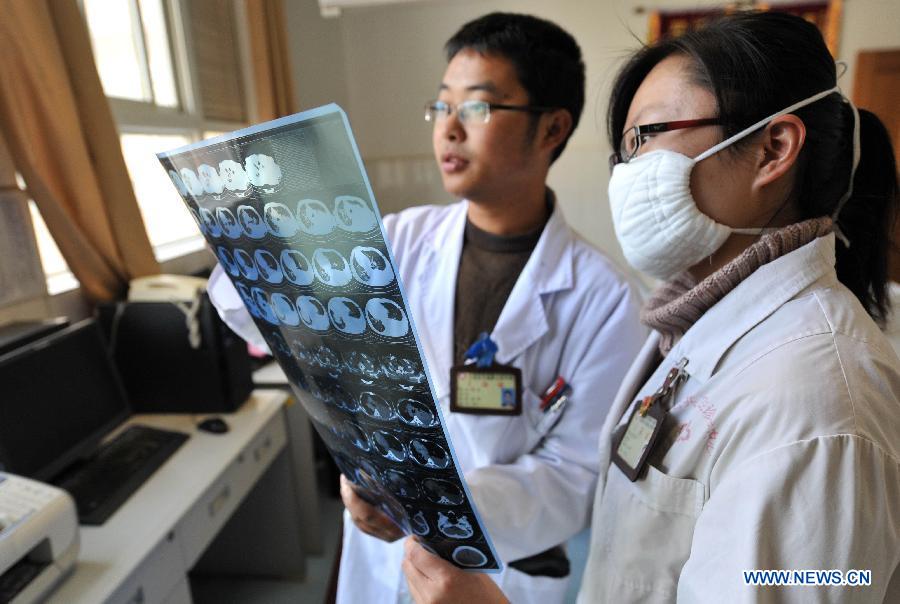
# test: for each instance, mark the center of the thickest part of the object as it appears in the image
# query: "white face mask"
(657, 222)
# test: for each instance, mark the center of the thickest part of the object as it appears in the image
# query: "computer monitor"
(58, 397)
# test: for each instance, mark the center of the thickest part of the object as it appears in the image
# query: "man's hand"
(367, 517)
(433, 580)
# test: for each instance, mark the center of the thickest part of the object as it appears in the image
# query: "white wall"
(387, 61)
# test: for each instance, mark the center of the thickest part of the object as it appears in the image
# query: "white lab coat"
(571, 313)
(785, 451)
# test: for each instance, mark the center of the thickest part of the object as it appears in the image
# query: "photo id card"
(494, 390)
(631, 451)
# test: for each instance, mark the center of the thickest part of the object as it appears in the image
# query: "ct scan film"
(287, 208)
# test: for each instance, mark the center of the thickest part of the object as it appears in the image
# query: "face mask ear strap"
(846, 196)
(764, 121)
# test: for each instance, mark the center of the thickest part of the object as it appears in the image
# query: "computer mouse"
(216, 425)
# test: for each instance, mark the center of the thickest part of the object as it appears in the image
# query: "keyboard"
(103, 482)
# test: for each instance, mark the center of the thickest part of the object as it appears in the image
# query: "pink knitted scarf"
(679, 303)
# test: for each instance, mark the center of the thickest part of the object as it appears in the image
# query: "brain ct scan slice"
(428, 454)
(193, 184)
(312, 313)
(403, 369)
(229, 223)
(268, 266)
(210, 223)
(285, 310)
(280, 221)
(442, 492)
(388, 445)
(416, 413)
(370, 267)
(363, 365)
(356, 436)
(386, 318)
(263, 172)
(455, 526)
(297, 268)
(234, 176)
(402, 484)
(227, 261)
(375, 406)
(346, 316)
(353, 214)
(251, 223)
(466, 555)
(246, 265)
(314, 217)
(419, 524)
(210, 179)
(331, 268)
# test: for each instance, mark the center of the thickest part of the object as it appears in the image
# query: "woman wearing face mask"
(759, 429)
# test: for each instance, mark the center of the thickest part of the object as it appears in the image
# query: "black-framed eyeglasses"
(634, 137)
(474, 111)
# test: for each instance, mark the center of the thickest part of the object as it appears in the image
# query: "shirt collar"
(752, 301)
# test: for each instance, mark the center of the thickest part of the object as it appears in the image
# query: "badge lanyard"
(481, 386)
(631, 451)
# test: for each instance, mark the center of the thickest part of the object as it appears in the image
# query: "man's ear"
(782, 141)
(555, 128)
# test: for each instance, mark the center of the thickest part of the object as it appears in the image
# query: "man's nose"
(453, 129)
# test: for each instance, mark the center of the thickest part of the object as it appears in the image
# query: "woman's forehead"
(670, 92)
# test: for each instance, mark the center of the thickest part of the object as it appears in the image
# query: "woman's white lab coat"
(783, 451)
(570, 314)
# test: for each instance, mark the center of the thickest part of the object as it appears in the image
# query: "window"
(174, 72)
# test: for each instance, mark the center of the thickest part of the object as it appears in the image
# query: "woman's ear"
(782, 141)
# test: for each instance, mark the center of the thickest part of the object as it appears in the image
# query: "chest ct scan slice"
(190, 180)
(263, 172)
(212, 225)
(246, 264)
(230, 226)
(279, 220)
(285, 310)
(227, 261)
(314, 217)
(370, 267)
(297, 268)
(251, 222)
(386, 318)
(346, 315)
(353, 214)
(331, 268)
(312, 313)
(268, 266)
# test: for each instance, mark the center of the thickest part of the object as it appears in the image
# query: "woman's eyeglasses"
(473, 111)
(634, 137)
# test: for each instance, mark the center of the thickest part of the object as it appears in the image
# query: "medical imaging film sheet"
(287, 208)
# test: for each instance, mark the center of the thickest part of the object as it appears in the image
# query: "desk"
(143, 552)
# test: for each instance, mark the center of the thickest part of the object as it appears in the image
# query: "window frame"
(138, 117)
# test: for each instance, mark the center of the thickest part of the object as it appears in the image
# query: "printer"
(38, 538)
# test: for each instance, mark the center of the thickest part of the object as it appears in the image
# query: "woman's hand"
(433, 580)
(366, 516)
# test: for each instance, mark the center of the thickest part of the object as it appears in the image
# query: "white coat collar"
(752, 301)
(523, 320)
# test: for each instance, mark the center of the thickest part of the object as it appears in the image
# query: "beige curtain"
(59, 128)
(273, 83)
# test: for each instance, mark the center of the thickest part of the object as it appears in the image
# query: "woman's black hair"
(758, 63)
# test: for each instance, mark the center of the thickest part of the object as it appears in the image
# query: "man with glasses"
(504, 262)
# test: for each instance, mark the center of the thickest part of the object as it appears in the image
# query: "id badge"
(494, 390)
(631, 451)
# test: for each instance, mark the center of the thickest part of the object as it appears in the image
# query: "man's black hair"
(547, 59)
